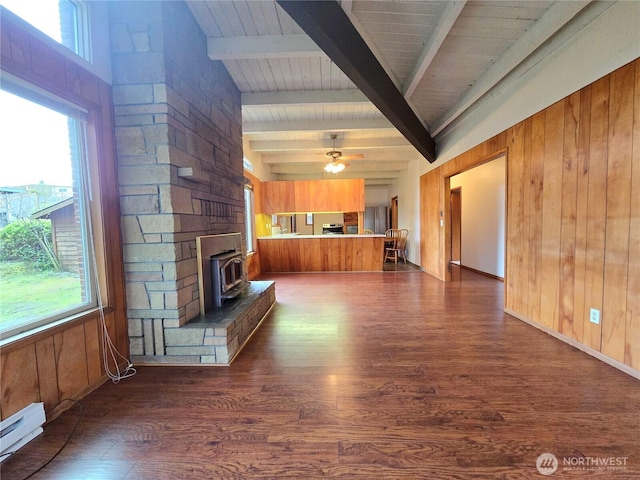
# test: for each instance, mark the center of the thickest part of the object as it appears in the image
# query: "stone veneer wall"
(177, 113)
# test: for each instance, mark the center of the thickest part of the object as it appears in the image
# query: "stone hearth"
(218, 336)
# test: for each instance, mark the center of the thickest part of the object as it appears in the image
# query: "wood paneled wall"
(335, 253)
(573, 215)
(66, 361)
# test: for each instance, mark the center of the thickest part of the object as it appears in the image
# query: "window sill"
(38, 333)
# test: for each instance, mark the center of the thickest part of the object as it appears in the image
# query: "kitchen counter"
(297, 235)
(321, 253)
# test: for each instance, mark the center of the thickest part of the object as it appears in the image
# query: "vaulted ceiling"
(442, 57)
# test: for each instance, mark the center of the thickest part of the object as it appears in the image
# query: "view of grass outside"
(43, 235)
(29, 294)
(42, 242)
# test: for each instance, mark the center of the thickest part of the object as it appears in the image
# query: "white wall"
(375, 196)
(407, 189)
(483, 216)
(259, 169)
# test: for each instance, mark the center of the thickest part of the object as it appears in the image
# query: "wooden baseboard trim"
(588, 350)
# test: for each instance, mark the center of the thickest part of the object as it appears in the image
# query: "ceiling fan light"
(334, 167)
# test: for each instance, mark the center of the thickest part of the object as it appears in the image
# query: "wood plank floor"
(360, 376)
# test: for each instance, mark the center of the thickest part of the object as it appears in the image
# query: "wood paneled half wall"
(65, 360)
(573, 217)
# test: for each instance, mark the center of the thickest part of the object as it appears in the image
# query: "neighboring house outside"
(65, 233)
(22, 201)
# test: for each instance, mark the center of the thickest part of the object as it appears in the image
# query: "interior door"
(394, 212)
(456, 225)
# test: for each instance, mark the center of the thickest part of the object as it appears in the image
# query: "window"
(65, 21)
(46, 267)
(248, 217)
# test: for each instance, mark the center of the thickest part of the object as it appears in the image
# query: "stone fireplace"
(178, 131)
(231, 307)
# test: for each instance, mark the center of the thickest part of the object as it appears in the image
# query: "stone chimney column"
(179, 146)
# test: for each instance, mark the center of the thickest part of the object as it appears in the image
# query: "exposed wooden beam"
(328, 25)
(386, 178)
(359, 167)
(302, 98)
(553, 20)
(346, 144)
(378, 182)
(327, 125)
(389, 156)
(446, 21)
(268, 46)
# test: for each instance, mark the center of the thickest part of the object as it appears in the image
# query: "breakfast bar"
(321, 253)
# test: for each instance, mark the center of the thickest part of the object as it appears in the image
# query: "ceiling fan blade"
(352, 157)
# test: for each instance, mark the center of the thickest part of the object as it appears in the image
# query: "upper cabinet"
(307, 196)
(277, 197)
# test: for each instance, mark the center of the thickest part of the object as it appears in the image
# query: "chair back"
(392, 233)
(401, 238)
(398, 236)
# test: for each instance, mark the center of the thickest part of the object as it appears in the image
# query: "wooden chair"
(395, 244)
(367, 232)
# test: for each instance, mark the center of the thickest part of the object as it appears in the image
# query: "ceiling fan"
(337, 164)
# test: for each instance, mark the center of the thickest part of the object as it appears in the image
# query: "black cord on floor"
(66, 442)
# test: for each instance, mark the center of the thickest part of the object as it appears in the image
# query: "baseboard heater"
(20, 428)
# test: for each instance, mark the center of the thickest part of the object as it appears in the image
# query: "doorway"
(456, 225)
(394, 212)
(481, 218)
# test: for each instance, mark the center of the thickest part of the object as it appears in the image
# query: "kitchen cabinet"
(277, 197)
(312, 196)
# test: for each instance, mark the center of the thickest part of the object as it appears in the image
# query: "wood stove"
(221, 269)
(227, 276)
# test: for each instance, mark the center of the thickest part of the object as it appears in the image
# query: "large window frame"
(100, 213)
(73, 30)
(78, 131)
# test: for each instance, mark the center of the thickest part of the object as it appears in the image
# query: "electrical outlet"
(595, 316)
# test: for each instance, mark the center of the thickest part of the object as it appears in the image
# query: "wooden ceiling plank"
(362, 167)
(341, 144)
(372, 157)
(204, 18)
(300, 98)
(328, 25)
(268, 46)
(437, 37)
(552, 21)
(387, 177)
(329, 125)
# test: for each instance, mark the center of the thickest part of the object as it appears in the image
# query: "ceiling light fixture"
(335, 165)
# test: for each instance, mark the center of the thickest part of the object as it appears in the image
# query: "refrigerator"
(376, 219)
